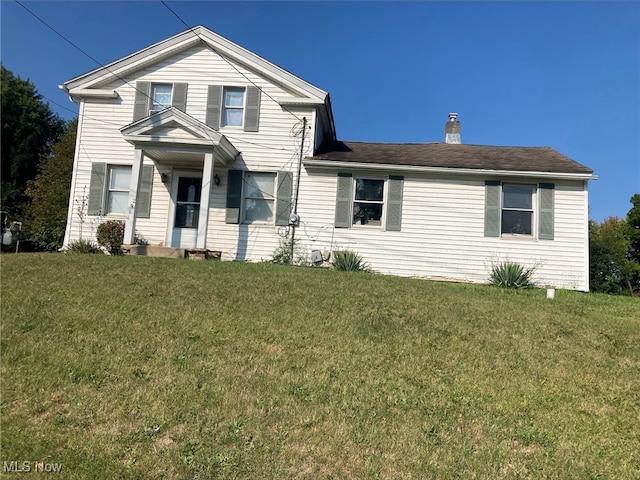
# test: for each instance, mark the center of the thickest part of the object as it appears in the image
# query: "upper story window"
(259, 197)
(233, 107)
(517, 209)
(161, 97)
(155, 97)
(368, 202)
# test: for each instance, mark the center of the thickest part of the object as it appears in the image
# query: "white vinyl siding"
(442, 234)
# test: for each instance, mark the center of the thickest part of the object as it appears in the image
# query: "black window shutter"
(234, 196)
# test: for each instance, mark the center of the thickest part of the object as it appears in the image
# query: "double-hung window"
(151, 98)
(517, 209)
(368, 202)
(233, 107)
(109, 190)
(118, 189)
(259, 197)
(161, 96)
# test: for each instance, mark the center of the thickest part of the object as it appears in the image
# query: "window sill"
(524, 238)
(366, 227)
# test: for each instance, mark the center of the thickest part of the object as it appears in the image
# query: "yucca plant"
(511, 275)
(349, 261)
(83, 246)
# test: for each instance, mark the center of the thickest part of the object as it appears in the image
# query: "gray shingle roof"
(444, 155)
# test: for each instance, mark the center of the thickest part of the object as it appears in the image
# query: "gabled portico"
(171, 137)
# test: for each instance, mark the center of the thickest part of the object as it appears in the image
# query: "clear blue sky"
(558, 74)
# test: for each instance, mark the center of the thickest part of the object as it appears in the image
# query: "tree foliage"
(49, 193)
(614, 245)
(29, 129)
(633, 226)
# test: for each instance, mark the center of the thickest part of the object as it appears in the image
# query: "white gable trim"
(93, 93)
(182, 41)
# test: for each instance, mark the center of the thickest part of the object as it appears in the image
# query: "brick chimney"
(452, 129)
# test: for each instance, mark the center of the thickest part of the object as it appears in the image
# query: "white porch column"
(205, 198)
(134, 186)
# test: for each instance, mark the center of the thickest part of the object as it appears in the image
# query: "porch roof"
(171, 135)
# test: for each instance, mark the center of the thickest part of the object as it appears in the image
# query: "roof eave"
(333, 164)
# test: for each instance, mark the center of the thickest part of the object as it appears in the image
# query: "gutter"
(332, 164)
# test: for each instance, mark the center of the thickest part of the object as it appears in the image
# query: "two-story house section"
(193, 142)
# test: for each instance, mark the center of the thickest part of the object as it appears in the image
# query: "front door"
(187, 189)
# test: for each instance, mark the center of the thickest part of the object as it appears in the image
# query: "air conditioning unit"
(316, 256)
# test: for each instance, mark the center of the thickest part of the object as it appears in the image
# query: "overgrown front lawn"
(125, 367)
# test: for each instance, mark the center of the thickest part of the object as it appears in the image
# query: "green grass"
(125, 367)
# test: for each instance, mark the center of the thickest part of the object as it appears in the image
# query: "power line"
(81, 50)
(225, 58)
(74, 45)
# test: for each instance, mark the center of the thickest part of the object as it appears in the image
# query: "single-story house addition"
(196, 142)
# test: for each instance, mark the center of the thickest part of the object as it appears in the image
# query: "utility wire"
(224, 57)
(81, 50)
(74, 45)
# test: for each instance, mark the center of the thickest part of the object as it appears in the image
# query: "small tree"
(610, 268)
(49, 194)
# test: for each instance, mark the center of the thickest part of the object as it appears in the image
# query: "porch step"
(152, 251)
(169, 252)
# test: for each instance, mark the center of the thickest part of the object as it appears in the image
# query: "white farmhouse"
(200, 145)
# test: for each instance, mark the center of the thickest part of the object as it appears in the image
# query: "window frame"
(246, 197)
(383, 202)
(224, 107)
(533, 210)
(154, 106)
(108, 189)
